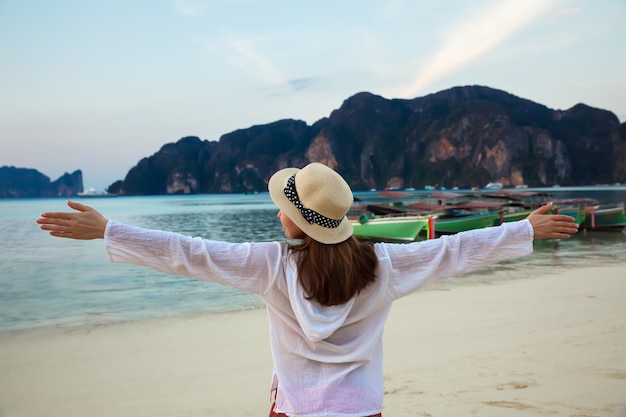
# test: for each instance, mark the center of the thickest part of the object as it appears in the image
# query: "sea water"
(47, 281)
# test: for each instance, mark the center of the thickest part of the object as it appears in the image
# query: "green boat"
(603, 218)
(515, 215)
(389, 228)
(578, 214)
(455, 222)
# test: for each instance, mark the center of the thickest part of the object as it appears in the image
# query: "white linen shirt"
(327, 360)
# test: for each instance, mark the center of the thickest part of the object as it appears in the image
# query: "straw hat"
(316, 199)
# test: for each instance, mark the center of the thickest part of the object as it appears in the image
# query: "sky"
(97, 85)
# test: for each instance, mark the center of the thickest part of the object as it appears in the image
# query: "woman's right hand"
(85, 223)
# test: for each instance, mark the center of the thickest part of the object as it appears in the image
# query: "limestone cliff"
(465, 136)
(28, 182)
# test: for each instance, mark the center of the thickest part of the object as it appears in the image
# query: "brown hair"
(332, 274)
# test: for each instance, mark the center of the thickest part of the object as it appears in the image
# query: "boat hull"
(579, 215)
(515, 216)
(605, 218)
(463, 223)
(392, 228)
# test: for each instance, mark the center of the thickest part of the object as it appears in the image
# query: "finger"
(58, 233)
(560, 236)
(54, 227)
(563, 218)
(562, 232)
(60, 230)
(565, 230)
(78, 206)
(44, 224)
(65, 214)
(50, 219)
(543, 209)
(57, 215)
(568, 223)
(569, 228)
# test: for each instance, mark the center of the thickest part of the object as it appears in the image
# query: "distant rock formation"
(27, 182)
(464, 137)
(461, 137)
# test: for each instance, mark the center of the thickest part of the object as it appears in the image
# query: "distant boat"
(92, 192)
(493, 186)
(601, 217)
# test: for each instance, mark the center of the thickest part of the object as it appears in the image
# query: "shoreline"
(546, 345)
(502, 272)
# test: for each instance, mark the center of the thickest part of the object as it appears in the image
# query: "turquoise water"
(49, 281)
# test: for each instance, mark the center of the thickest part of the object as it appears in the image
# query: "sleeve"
(251, 267)
(414, 265)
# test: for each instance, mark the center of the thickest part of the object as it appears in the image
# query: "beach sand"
(552, 345)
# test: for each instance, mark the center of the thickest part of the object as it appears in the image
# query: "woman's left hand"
(551, 226)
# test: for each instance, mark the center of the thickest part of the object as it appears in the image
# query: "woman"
(327, 294)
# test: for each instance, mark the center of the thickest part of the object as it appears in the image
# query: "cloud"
(189, 7)
(563, 13)
(466, 42)
(254, 64)
(295, 85)
(244, 54)
(566, 12)
(300, 84)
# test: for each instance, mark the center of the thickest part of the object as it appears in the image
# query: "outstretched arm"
(251, 267)
(551, 226)
(85, 223)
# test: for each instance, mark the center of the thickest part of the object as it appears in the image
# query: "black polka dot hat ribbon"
(311, 216)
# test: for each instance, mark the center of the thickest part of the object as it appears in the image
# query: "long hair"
(333, 274)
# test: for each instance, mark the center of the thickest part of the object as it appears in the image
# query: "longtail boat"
(515, 215)
(602, 218)
(574, 207)
(455, 221)
(389, 227)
